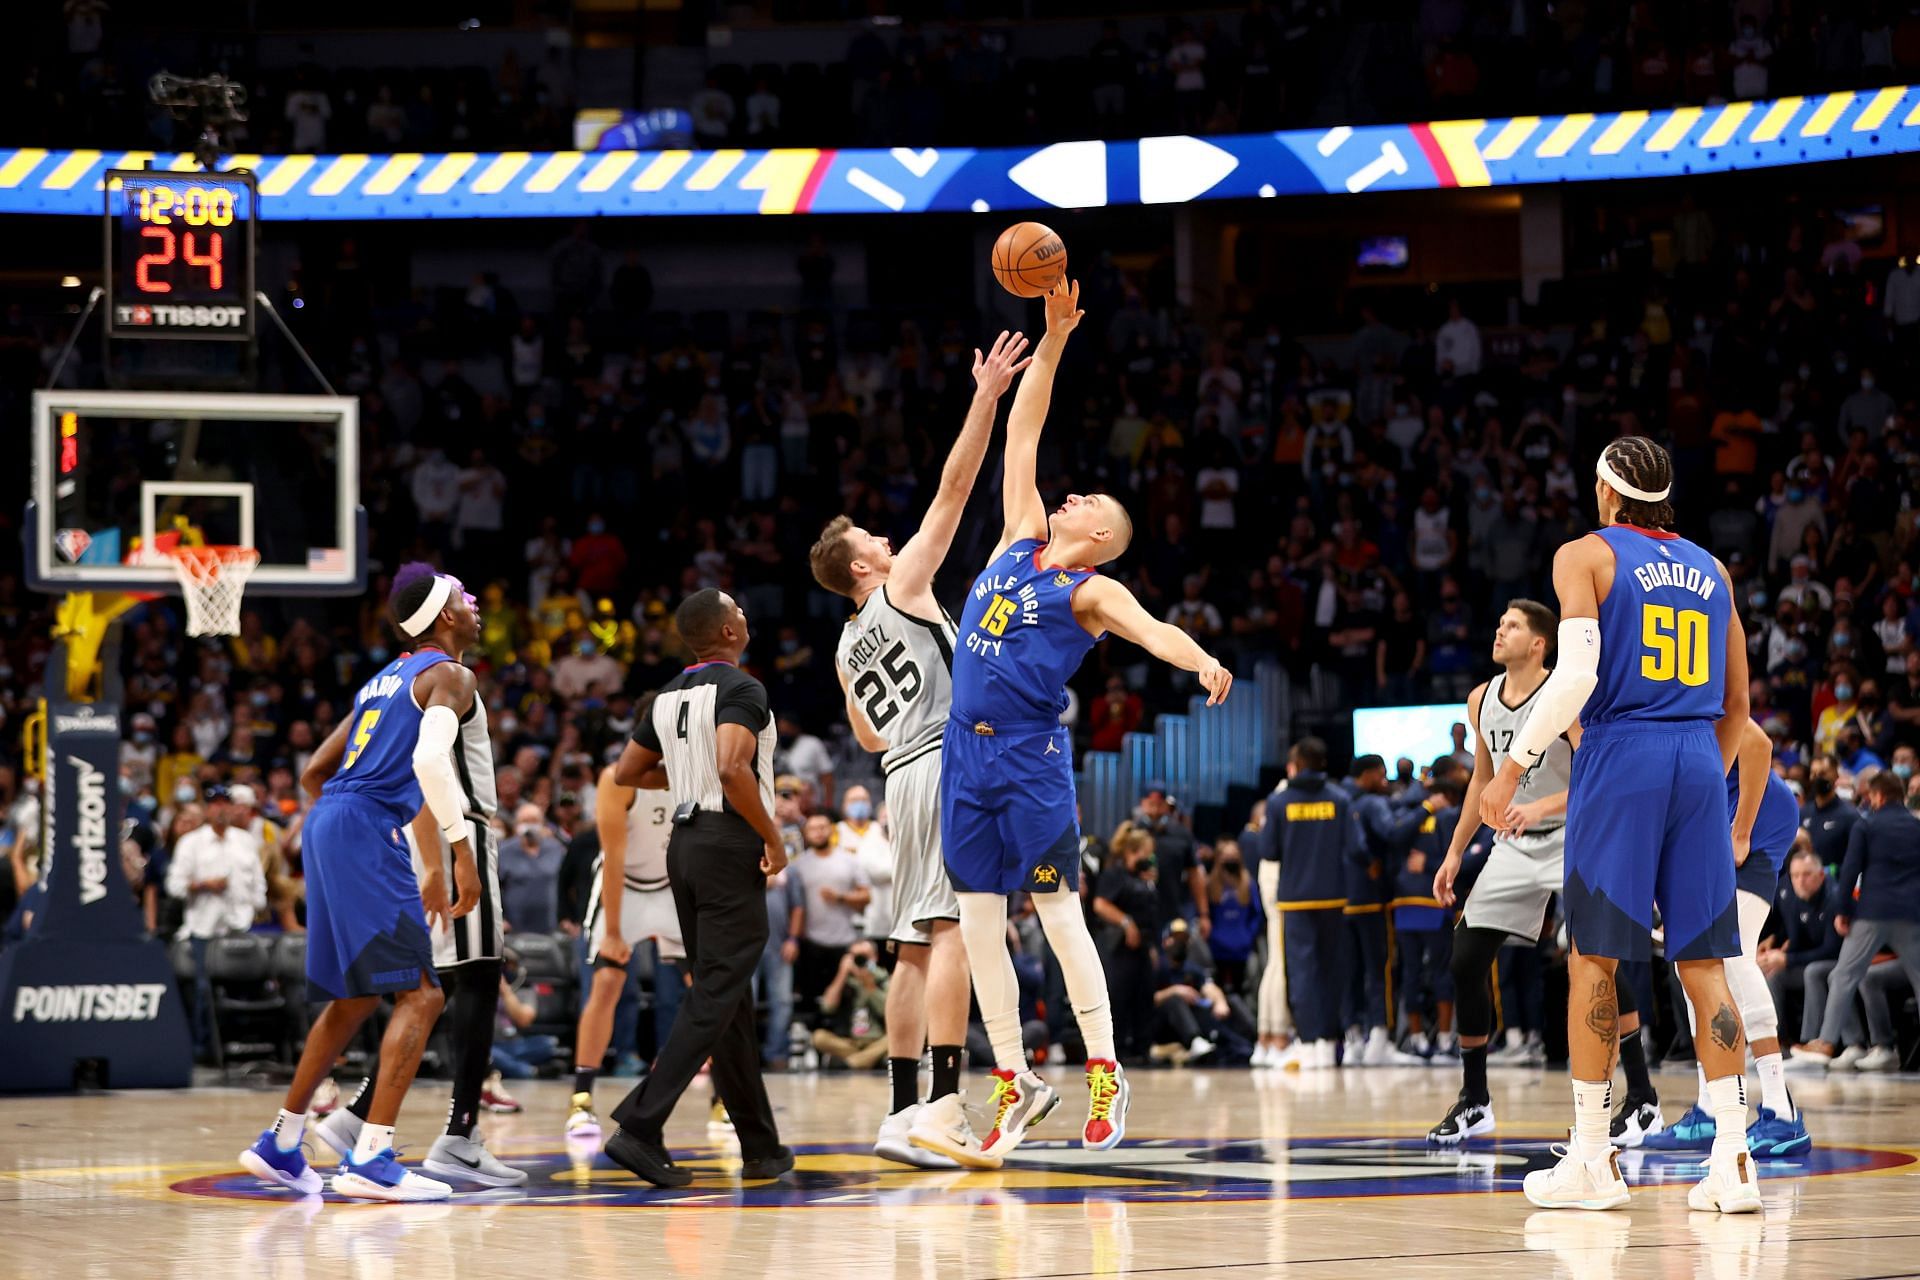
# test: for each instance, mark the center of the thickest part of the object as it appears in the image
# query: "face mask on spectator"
(1841, 639)
(261, 697)
(377, 655)
(1757, 600)
(1903, 771)
(1845, 793)
(1795, 493)
(183, 794)
(1844, 692)
(1822, 786)
(509, 726)
(859, 810)
(1866, 382)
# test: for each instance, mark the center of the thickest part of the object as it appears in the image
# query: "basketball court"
(1227, 1172)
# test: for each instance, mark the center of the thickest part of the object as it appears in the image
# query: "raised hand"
(993, 372)
(1063, 307)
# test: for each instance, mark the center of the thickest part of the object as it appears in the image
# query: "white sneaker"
(1513, 1047)
(1420, 1046)
(1019, 1101)
(1353, 1050)
(1732, 1184)
(1325, 1055)
(339, 1131)
(382, 1178)
(1534, 1052)
(1577, 1183)
(895, 1142)
(1882, 1057)
(1265, 1055)
(1806, 1062)
(1295, 1057)
(1447, 1045)
(1848, 1059)
(326, 1099)
(1199, 1048)
(469, 1159)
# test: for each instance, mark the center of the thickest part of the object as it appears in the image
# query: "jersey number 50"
(871, 691)
(1676, 644)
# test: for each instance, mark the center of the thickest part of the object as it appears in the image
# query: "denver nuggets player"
(1008, 821)
(366, 931)
(1654, 663)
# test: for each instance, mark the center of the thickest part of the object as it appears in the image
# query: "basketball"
(1028, 259)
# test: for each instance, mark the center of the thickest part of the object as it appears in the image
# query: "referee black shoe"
(760, 1168)
(647, 1160)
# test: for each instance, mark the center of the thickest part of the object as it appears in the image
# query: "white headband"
(417, 622)
(1625, 490)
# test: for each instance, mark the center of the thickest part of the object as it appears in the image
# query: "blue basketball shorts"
(1009, 819)
(1647, 827)
(366, 929)
(1767, 852)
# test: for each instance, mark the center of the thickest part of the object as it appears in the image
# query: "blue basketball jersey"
(1777, 822)
(1663, 632)
(378, 766)
(1019, 641)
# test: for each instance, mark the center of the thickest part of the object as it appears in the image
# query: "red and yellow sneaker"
(1019, 1101)
(1107, 1096)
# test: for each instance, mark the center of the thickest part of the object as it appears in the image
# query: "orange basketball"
(1028, 259)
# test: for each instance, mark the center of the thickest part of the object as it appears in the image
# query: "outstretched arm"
(914, 567)
(1101, 604)
(1020, 487)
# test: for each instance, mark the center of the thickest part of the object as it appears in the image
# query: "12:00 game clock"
(180, 254)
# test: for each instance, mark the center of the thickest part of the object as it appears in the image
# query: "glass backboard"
(115, 472)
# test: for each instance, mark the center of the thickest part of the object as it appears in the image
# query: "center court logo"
(836, 1176)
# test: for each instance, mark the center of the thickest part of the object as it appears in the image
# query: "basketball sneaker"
(1882, 1057)
(581, 1122)
(1769, 1137)
(1294, 1057)
(1108, 1094)
(267, 1162)
(494, 1097)
(383, 1178)
(1467, 1119)
(326, 1099)
(340, 1131)
(1577, 1182)
(1732, 1185)
(1637, 1119)
(1848, 1059)
(452, 1156)
(1019, 1101)
(719, 1123)
(935, 1135)
(1693, 1131)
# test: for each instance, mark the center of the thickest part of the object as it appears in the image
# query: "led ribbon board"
(1580, 147)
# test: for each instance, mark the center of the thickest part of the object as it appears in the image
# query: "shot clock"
(180, 255)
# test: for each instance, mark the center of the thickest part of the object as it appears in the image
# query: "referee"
(709, 742)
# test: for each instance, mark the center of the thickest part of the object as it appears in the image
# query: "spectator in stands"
(713, 112)
(1806, 905)
(853, 1011)
(598, 559)
(1127, 904)
(861, 833)
(837, 892)
(214, 870)
(1237, 914)
(1827, 818)
(1118, 712)
(1883, 861)
(805, 757)
(1456, 344)
(1179, 878)
(530, 874)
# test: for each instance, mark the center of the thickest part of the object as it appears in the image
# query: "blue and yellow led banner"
(1164, 170)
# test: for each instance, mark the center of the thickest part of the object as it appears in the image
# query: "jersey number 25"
(902, 680)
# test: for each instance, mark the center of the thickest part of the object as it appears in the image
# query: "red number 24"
(212, 259)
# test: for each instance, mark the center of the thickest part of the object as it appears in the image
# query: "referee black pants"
(720, 895)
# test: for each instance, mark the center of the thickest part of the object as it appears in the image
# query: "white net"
(213, 580)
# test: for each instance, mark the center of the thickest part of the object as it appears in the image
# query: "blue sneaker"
(1770, 1137)
(1691, 1132)
(267, 1162)
(384, 1178)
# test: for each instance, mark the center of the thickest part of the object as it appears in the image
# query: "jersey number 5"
(361, 732)
(999, 614)
(871, 691)
(1676, 644)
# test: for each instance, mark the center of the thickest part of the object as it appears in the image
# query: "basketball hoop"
(213, 580)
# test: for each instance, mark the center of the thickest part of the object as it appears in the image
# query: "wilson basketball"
(1028, 259)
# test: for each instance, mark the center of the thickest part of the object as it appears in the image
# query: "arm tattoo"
(1725, 1027)
(1603, 1018)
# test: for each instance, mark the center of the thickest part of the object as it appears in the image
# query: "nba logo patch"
(1668, 554)
(72, 544)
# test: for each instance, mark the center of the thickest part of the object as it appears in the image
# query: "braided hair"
(1644, 465)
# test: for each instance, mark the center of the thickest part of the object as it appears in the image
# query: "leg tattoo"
(1725, 1026)
(1603, 1018)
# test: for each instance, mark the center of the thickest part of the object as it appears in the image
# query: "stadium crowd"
(966, 76)
(1356, 508)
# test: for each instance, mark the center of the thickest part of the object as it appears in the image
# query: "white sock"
(983, 927)
(1592, 1117)
(374, 1138)
(1065, 925)
(1728, 1096)
(1773, 1085)
(288, 1128)
(1706, 1098)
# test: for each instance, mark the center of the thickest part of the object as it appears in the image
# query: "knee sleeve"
(1474, 951)
(983, 927)
(1065, 923)
(1748, 986)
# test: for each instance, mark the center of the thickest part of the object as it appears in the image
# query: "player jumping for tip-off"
(1008, 821)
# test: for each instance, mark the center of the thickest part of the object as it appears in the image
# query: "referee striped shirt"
(684, 728)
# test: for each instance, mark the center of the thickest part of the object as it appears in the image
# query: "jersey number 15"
(1676, 644)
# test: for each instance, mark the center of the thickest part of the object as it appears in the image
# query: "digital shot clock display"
(179, 254)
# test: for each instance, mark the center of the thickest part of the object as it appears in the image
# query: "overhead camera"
(210, 104)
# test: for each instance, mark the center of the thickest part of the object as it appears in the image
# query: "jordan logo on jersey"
(1053, 748)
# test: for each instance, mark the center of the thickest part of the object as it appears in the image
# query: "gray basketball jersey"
(649, 826)
(1498, 725)
(473, 762)
(900, 672)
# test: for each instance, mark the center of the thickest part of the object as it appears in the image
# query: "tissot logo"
(182, 317)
